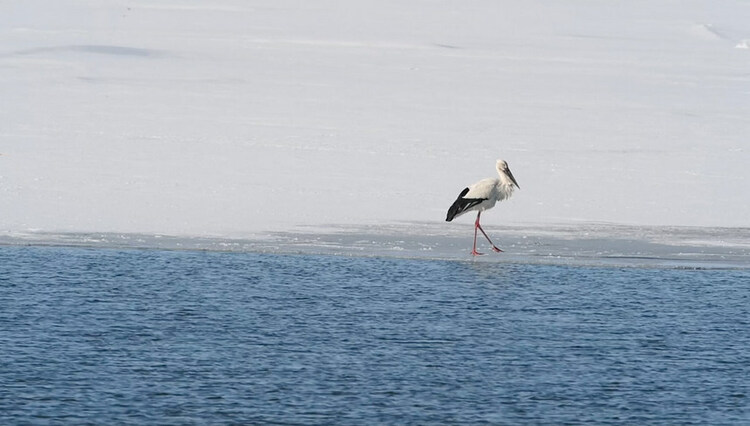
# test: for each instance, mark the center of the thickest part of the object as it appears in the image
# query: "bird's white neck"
(505, 187)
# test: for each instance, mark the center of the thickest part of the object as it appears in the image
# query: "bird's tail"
(462, 205)
(453, 211)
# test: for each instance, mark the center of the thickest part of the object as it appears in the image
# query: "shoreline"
(584, 244)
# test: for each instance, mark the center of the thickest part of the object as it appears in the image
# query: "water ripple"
(148, 336)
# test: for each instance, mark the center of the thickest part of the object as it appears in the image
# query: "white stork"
(482, 196)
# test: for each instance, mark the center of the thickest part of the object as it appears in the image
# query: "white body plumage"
(491, 190)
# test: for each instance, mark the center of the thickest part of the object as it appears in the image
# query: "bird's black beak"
(510, 175)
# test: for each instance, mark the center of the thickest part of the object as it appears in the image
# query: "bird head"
(504, 170)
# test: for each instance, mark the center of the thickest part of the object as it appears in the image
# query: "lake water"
(95, 335)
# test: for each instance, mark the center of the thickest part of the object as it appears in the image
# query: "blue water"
(144, 336)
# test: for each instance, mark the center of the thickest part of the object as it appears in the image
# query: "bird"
(481, 196)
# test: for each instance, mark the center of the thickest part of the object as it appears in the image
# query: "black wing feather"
(462, 204)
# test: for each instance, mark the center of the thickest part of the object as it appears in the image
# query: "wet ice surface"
(573, 244)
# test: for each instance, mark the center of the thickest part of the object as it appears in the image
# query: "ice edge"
(576, 245)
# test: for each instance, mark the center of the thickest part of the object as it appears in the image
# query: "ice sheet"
(231, 118)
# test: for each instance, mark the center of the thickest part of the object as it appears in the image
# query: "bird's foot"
(497, 250)
(476, 253)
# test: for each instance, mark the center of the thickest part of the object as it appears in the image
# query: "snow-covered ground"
(235, 118)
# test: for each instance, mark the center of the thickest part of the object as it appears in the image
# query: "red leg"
(477, 225)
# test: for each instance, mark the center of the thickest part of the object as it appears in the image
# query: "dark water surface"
(147, 336)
